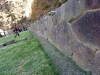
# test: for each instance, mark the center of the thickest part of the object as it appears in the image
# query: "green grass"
(22, 35)
(25, 58)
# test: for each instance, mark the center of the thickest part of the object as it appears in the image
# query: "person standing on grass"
(16, 31)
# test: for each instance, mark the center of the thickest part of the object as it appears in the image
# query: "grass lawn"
(25, 58)
(22, 35)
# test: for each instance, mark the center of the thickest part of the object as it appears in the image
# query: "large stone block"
(10, 42)
(55, 19)
(87, 28)
(63, 38)
(38, 28)
(96, 64)
(83, 56)
(1, 45)
(41, 27)
(92, 4)
(71, 10)
(52, 35)
(22, 39)
(48, 21)
(46, 26)
(32, 27)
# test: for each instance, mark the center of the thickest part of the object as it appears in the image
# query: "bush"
(45, 6)
(59, 4)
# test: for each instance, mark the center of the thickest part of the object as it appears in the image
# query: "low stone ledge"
(1, 45)
(10, 42)
(29, 37)
(21, 39)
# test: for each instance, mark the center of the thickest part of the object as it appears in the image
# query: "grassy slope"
(22, 35)
(25, 58)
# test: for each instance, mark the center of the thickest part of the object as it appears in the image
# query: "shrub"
(45, 6)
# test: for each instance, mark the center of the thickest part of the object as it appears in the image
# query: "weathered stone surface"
(77, 39)
(41, 28)
(49, 25)
(70, 11)
(92, 3)
(21, 39)
(2, 44)
(35, 27)
(48, 21)
(87, 28)
(55, 19)
(96, 64)
(10, 42)
(29, 37)
(73, 9)
(63, 64)
(63, 39)
(83, 56)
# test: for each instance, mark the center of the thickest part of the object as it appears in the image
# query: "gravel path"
(63, 64)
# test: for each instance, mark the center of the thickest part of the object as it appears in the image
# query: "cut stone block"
(69, 11)
(21, 39)
(62, 36)
(10, 42)
(92, 4)
(2, 44)
(87, 28)
(96, 64)
(83, 56)
(29, 37)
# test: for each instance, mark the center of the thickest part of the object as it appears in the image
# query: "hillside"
(39, 8)
(22, 11)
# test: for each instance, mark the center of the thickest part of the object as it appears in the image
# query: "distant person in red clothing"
(16, 31)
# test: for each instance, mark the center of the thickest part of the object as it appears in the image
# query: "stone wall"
(74, 28)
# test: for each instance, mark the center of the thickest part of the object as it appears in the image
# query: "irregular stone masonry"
(75, 30)
(63, 64)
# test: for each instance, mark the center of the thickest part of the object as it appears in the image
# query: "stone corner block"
(96, 64)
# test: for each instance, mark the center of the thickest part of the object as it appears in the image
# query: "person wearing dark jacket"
(16, 31)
